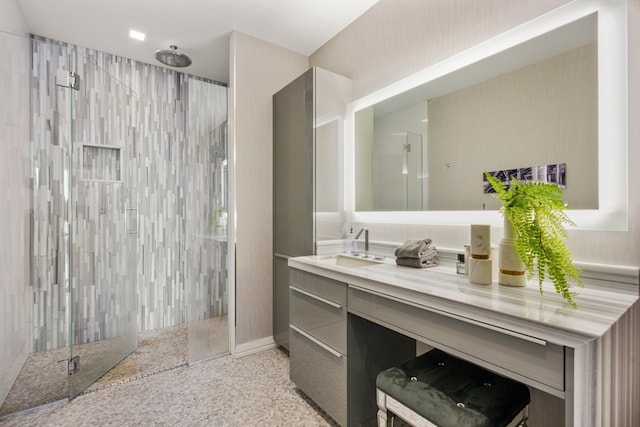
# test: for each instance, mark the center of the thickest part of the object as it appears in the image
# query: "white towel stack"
(417, 254)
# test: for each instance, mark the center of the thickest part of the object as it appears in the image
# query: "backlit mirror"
(536, 101)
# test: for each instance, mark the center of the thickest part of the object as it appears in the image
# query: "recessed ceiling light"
(137, 35)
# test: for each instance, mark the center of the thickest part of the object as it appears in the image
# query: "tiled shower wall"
(148, 178)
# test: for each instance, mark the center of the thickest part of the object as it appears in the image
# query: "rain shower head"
(172, 57)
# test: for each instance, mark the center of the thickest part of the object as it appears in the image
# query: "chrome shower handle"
(131, 219)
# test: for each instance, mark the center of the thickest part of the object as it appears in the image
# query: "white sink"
(344, 260)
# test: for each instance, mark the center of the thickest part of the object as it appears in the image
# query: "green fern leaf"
(536, 211)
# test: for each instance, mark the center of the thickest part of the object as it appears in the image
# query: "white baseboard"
(256, 346)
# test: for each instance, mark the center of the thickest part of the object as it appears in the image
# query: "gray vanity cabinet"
(335, 356)
(318, 341)
(293, 146)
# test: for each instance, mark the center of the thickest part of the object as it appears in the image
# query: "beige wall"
(14, 194)
(541, 114)
(397, 38)
(258, 70)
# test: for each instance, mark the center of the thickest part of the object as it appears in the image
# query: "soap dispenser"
(350, 245)
(461, 267)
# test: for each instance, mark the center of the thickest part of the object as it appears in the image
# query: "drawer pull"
(485, 325)
(316, 341)
(316, 297)
(509, 332)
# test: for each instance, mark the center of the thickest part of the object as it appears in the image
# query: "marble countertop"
(522, 310)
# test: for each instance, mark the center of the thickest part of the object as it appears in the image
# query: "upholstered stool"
(437, 389)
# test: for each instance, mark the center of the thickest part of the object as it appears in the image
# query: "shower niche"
(101, 163)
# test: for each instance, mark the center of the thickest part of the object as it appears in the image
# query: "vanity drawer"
(323, 319)
(326, 288)
(537, 362)
(320, 374)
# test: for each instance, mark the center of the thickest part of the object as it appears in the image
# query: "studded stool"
(439, 390)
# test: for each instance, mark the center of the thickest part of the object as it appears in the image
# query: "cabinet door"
(293, 167)
(281, 301)
(323, 287)
(324, 319)
(319, 307)
(321, 374)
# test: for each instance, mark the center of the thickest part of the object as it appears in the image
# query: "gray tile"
(165, 124)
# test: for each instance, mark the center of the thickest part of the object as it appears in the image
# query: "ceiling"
(200, 28)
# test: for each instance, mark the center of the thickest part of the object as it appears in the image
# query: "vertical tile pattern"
(50, 128)
(131, 235)
(162, 136)
(206, 201)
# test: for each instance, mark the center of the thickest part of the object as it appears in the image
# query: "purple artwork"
(555, 174)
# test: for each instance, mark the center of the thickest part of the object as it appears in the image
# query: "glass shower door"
(103, 222)
(205, 243)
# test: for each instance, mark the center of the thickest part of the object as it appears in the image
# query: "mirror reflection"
(532, 105)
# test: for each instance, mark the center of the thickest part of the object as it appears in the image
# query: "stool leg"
(383, 421)
(383, 416)
(521, 419)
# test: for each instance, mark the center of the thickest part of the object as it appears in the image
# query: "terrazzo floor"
(250, 391)
(41, 382)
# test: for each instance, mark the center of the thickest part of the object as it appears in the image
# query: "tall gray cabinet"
(307, 124)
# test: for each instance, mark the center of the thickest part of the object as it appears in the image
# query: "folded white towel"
(417, 262)
(414, 249)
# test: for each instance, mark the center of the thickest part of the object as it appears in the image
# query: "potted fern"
(535, 210)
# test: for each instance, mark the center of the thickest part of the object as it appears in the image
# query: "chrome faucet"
(366, 240)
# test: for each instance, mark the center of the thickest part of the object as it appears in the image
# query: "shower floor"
(41, 381)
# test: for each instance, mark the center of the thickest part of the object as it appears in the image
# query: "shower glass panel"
(15, 193)
(104, 214)
(206, 278)
(85, 214)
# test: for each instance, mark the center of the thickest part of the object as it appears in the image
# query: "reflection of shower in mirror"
(405, 158)
(398, 170)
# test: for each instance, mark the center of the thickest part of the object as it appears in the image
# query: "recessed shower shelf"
(101, 163)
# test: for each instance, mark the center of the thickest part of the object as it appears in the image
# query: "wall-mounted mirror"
(539, 96)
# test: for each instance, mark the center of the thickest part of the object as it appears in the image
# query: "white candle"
(480, 241)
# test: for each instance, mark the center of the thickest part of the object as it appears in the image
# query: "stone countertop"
(521, 310)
